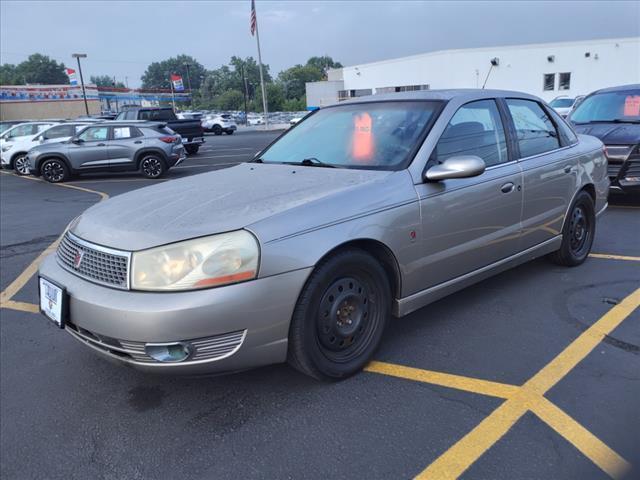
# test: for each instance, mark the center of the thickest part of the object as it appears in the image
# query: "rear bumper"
(193, 141)
(117, 324)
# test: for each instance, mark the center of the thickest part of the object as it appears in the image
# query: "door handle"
(138, 141)
(101, 145)
(567, 169)
(507, 187)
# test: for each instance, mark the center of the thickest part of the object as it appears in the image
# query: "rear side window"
(162, 115)
(475, 129)
(535, 132)
(120, 133)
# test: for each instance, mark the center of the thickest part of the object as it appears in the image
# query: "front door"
(91, 150)
(469, 223)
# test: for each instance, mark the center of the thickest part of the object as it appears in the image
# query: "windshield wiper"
(314, 162)
(611, 120)
(622, 120)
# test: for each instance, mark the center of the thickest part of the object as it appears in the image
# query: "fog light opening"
(168, 352)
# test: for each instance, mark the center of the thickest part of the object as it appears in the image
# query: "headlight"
(200, 263)
(6, 148)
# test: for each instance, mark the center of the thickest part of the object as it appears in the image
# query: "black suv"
(613, 115)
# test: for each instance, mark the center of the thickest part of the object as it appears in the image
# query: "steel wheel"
(152, 167)
(578, 230)
(54, 171)
(21, 164)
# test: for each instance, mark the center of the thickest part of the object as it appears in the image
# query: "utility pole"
(78, 56)
(189, 83)
(244, 83)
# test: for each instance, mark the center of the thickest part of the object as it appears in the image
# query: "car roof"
(448, 94)
(133, 123)
(619, 88)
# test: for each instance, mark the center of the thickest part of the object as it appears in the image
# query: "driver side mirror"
(77, 140)
(462, 166)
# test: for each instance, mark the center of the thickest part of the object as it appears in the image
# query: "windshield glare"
(562, 102)
(605, 107)
(377, 135)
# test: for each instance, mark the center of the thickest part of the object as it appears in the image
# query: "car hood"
(210, 203)
(612, 133)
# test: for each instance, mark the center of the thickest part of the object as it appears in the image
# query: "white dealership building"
(547, 70)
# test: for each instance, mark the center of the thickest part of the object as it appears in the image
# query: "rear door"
(549, 172)
(91, 151)
(125, 142)
(469, 223)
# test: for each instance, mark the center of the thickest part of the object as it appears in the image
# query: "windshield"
(562, 102)
(378, 135)
(621, 106)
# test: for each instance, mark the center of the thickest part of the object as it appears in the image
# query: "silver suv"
(148, 147)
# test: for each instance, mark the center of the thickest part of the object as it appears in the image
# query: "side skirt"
(409, 304)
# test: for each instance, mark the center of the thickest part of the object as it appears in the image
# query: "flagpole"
(173, 97)
(264, 93)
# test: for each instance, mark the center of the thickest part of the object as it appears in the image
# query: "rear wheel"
(230, 132)
(152, 166)
(54, 170)
(192, 149)
(21, 164)
(217, 130)
(340, 316)
(577, 233)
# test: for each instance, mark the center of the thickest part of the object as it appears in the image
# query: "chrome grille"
(94, 262)
(613, 169)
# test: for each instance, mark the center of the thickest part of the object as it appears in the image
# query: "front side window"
(372, 135)
(621, 106)
(475, 129)
(535, 132)
(549, 81)
(94, 134)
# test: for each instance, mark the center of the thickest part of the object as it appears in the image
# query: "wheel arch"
(57, 156)
(14, 156)
(380, 252)
(590, 189)
(145, 151)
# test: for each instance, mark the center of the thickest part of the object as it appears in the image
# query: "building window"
(344, 94)
(403, 88)
(549, 81)
(564, 82)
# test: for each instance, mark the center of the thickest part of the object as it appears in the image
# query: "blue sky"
(122, 38)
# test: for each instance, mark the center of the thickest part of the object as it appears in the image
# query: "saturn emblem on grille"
(77, 260)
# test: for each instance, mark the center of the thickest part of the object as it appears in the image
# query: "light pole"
(78, 56)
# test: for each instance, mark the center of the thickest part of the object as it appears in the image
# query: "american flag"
(254, 20)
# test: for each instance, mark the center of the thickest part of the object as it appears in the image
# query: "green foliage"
(105, 81)
(230, 100)
(323, 64)
(294, 79)
(294, 105)
(275, 98)
(157, 74)
(37, 69)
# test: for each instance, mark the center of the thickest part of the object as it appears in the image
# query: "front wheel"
(191, 149)
(152, 166)
(577, 233)
(217, 130)
(21, 164)
(54, 170)
(340, 316)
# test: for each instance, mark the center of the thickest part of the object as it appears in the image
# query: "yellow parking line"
(475, 385)
(581, 438)
(457, 459)
(21, 306)
(614, 257)
(15, 286)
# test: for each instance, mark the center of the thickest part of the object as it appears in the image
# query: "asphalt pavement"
(440, 376)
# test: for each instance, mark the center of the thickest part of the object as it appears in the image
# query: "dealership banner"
(178, 86)
(45, 93)
(73, 78)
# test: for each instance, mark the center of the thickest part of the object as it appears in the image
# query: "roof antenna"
(494, 63)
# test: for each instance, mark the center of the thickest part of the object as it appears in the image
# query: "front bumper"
(260, 311)
(5, 159)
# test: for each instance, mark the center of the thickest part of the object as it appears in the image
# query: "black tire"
(54, 170)
(217, 130)
(340, 316)
(152, 166)
(230, 132)
(577, 233)
(20, 165)
(191, 149)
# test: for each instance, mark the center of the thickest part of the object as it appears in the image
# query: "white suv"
(15, 148)
(219, 124)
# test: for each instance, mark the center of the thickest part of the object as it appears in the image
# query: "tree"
(230, 100)
(294, 105)
(38, 69)
(157, 74)
(105, 81)
(323, 64)
(293, 79)
(275, 98)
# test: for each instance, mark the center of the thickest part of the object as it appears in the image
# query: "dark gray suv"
(148, 147)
